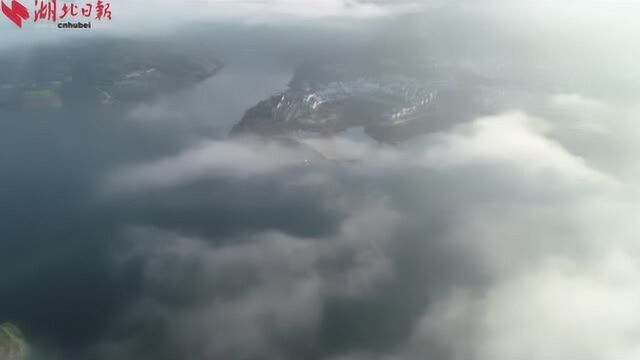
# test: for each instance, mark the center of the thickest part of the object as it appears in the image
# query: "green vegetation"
(13, 345)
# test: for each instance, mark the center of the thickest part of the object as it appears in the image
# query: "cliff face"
(390, 106)
(104, 72)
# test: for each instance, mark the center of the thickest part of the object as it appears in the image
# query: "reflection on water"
(215, 105)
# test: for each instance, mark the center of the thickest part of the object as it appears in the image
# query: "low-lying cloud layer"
(497, 239)
(491, 240)
(510, 236)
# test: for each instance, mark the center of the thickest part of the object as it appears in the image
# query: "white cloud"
(560, 310)
(235, 159)
(511, 140)
(514, 139)
(558, 263)
(287, 281)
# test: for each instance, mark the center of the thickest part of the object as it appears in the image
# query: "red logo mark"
(16, 13)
